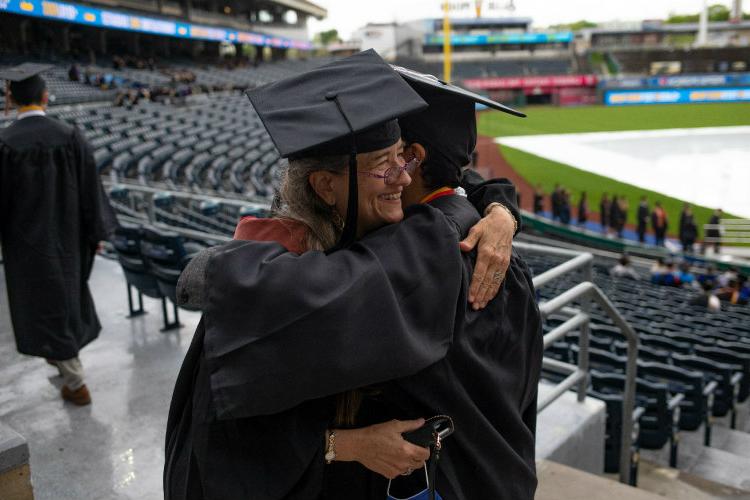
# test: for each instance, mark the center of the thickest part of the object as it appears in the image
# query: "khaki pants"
(72, 372)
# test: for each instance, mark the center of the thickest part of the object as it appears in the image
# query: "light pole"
(446, 42)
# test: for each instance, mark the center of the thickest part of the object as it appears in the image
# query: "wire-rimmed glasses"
(392, 174)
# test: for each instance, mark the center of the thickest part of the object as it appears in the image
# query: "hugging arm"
(282, 328)
(492, 236)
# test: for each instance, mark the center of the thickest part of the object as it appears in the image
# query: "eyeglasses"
(392, 175)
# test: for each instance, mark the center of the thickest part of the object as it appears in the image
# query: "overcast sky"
(348, 15)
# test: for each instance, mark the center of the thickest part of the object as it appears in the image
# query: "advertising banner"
(502, 38)
(676, 96)
(521, 82)
(91, 16)
(678, 81)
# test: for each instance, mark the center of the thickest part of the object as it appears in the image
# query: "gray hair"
(299, 201)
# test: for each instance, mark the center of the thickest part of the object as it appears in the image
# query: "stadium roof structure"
(304, 6)
(670, 28)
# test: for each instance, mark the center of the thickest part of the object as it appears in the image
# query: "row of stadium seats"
(63, 91)
(212, 144)
(693, 365)
(152, 261)
(205, 216)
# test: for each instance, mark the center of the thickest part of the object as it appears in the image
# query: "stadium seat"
(167, 254)
(127, 244)
(694, 408)
(659, 422)
(728, 356)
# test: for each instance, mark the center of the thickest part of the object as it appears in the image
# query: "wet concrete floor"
(114, 448)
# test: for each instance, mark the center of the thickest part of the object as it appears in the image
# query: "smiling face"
(379, 203)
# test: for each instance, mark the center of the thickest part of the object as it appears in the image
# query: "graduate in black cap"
(251, 408)
(488, 380)
(53, 214)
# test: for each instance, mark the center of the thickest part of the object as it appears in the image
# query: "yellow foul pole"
(446, 42)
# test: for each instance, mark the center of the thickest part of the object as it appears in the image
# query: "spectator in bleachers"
(707, 298)
(671, 276)
(622, 215)
(688, 229)
(604, 206)
(642, 216)
(686, 277)
(714, 232)
(731, 292)
(726, 277)
(624, 269)
(657, 269)
(708, 275)
(583, 209)
(743, 297)
(614, 214)
(538, 199)
(74, 73)
(659, 223)
(53, 215)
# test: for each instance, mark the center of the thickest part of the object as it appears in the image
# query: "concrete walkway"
(112, 449)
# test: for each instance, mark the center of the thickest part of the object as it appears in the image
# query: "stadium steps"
(560, 482)
(678, 485)
(725, 463)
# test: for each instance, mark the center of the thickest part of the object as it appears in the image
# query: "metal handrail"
(586, 293)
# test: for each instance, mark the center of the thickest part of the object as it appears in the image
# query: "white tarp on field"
(704, 166)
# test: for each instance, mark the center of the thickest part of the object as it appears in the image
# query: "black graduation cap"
(348, 106)
(448, 127)
(24, 80)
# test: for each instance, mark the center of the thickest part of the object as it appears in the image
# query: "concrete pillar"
(702, 38)
(736, 16)
(103, 42)
(66, 39)
(136, 44)
(159, 6)
(187, 9)
(23, 35)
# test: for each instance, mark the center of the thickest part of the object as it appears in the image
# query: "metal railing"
(587, 294)
(729, 231)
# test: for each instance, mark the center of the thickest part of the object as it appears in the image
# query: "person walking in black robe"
(714, 231)
(583, 209)
(614, 213)
(660, 223)
(688, 230)
(556, 201)
(538, 200)
(604, 207)
(53, 214)
(642, 216)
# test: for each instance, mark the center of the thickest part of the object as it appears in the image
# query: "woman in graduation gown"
(234, 437)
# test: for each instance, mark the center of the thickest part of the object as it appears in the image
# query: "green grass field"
(554, 120)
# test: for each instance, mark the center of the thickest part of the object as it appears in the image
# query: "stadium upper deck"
(156, 27)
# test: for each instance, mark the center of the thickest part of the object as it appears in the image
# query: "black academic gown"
(487, 383)
(53, 213)
(251, 405)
